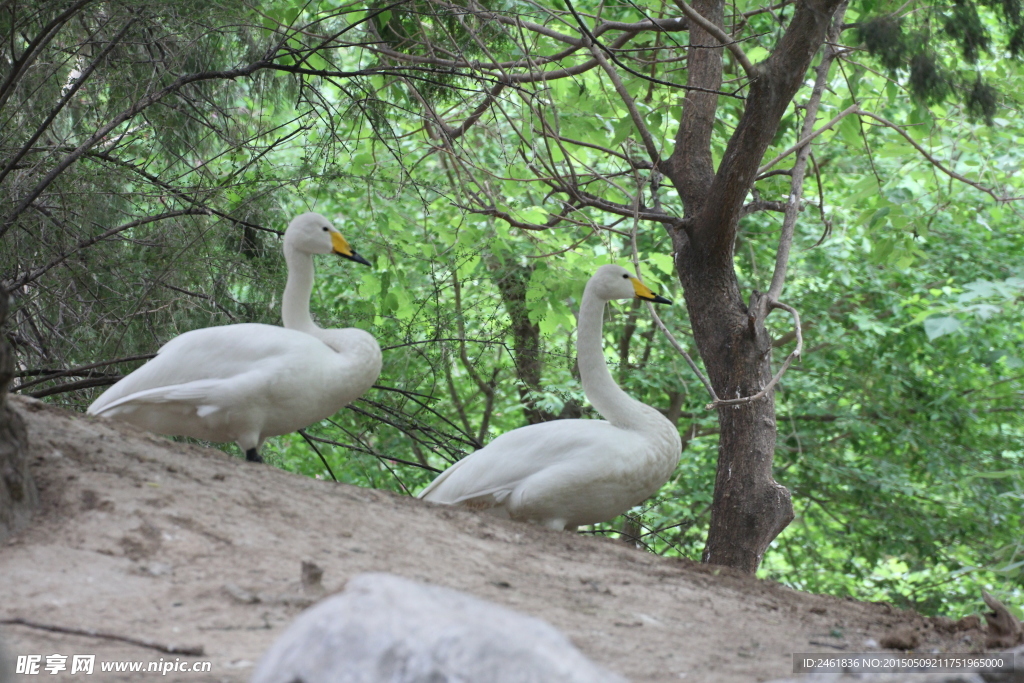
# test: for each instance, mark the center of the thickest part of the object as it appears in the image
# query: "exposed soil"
(176, 544)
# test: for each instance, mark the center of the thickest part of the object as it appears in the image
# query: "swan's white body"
(248, 382)
(567, 473)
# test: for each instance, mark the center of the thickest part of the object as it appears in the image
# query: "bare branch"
(935, 162)
(77, 371)
(762, 205)
(724, 38)
(650, 307)
(796, 185)
(75, 386)
(195, 651)
(634, 113)
(46, 34)
(179, 193)
(29, 277)
(70, 93)
(482, 108)
(147, 101)
(650, 79)
(852, 109)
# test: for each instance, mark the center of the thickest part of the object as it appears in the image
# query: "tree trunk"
(18, 494)
(513, 281)
(749, 508)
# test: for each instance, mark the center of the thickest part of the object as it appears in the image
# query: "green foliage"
(912, 46)
(899, 430)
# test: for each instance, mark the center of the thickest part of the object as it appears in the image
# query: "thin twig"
(191, 650)
(309, 440)
(935, 162)
(29, 277)
(52, 375)
(75, 386)
(852, 109)
(796, 184)
(634, 113)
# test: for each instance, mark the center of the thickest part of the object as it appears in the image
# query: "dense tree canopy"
(852, 164)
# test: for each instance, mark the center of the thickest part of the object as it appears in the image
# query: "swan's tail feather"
(481, 498)
(195, 393)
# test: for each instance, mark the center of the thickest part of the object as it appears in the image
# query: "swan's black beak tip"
(354, 256)
(660, 300)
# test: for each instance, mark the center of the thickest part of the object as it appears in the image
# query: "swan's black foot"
(252, 455)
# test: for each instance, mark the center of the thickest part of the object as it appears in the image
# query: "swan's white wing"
(210, 353)
(561, 474)
(235, 383)
(571, 472)
(494, 472)
(196, 394)
(247, 382)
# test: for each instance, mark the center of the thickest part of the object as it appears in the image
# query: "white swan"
(567, 473)
(247, 382)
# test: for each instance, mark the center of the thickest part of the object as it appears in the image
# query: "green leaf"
(662, 262)
(623, 129)
(877, 216)
(532, 214)
(849, 129)
(757, 54)
(938, 326)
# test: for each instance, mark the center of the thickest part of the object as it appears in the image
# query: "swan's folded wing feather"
(498, 468)
(214, 353)
(193, 393)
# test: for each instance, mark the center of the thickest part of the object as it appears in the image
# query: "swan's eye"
(625, 277)
(326, 229)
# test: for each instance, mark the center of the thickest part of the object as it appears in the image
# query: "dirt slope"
(142, 537)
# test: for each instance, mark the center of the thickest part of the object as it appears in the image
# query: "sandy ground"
(141, 537)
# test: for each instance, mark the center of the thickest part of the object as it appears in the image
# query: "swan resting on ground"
(567, 473)
(247, 382)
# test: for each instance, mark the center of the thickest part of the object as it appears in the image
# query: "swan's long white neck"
(613, 403)
(297, 291)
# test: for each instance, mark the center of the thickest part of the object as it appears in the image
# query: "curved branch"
(52, 375)
(147, 101)
(611, 55)
(721, 36)
(852, 109)
(796, 184)
(935, 162)
(650, 307)
(634, 113)
(69, 93)
(46, 34)
(762, 205)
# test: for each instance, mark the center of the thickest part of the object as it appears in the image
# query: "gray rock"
(385, 628)
(6, 665)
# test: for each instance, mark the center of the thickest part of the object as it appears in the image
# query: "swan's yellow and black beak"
(342, 248)
(644, 292)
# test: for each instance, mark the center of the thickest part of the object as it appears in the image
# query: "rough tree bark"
(750, 508)
(513, 281)
(18, 494)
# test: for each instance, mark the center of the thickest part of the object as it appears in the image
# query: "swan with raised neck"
(248, 382)
(566, 473)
